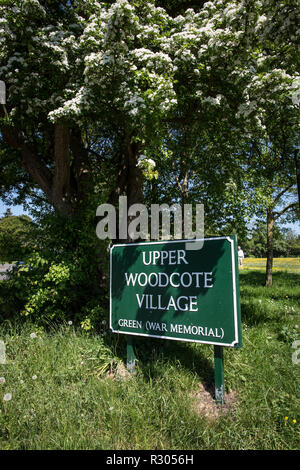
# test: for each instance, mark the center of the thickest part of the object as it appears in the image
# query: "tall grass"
(69, 390)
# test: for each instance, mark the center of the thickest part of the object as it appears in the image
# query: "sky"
(16, 210)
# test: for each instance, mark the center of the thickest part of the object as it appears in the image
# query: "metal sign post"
(130, 353)
(164, 290)
(219, 375)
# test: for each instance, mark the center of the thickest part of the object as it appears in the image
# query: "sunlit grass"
(61, 389)
(279, 264)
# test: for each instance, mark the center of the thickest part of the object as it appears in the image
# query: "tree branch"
(291, 206)
(61, 180)
(282, 193)
(40, 174)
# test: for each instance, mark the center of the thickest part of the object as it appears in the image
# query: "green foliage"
(63, 278)
(285, 242)
(288, 334)
(293, 245)
(15, 241)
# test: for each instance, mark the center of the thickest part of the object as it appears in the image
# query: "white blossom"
(213, 100)
(7, 397)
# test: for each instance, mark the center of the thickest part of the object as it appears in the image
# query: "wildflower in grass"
(70, 322)
(2, 380)
(7, 397)
(34, 377)
(33, 335)
(286, 420)
(111, 408)
(21, 381)
(294, 421)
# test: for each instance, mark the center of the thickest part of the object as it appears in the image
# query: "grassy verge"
(68, 390)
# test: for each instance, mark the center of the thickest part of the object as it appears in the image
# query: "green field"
(66, 389)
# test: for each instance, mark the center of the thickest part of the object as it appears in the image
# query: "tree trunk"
(68, 183)
(185, 189)
(270, 232)
(297, 165)
(80, 170)
(61, 191)
(135, 178)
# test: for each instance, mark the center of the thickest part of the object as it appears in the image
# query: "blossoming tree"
(76, 69)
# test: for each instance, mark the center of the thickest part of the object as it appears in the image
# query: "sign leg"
(219, 375)
(130, 353)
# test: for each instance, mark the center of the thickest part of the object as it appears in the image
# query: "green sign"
(165, 290)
